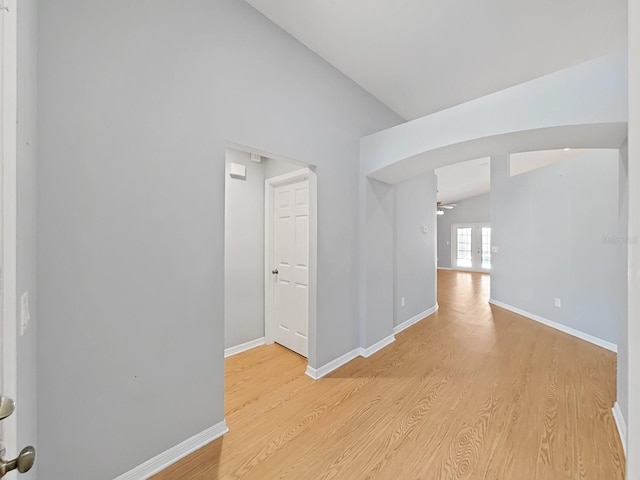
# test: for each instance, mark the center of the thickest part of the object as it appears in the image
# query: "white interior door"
(471, 247)
(291, 266)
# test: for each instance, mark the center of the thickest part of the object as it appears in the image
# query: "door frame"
(454, 245)
(269, 202)
(8, 214)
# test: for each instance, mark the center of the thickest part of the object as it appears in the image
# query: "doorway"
(471, 247)
(270, 252)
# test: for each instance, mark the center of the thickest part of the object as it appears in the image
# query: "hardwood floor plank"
(473, 392)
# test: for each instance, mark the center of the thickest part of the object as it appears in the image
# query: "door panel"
(485, 248)
(464, 247)
(291, 250)
(471, 247)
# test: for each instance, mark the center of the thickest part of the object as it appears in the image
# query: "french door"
(471, 247)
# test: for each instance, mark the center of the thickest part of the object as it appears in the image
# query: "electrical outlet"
(558, 303)
(25, 315)
(403, 302)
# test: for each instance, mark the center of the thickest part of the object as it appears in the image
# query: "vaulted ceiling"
(473, 177)
(421, 56)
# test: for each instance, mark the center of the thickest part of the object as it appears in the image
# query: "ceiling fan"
(440, 207)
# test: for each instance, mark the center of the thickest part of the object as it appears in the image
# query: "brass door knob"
(22, 463)
(7, 407)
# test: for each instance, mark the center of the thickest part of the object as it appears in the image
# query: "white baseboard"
(558, 326)
(332, 365)
(445, 268)
(413, 320)
(171, 456)
(622, 426)
(243, 347)
(318, 373)
(376, 347)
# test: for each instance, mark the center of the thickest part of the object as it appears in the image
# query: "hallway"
(471, 392)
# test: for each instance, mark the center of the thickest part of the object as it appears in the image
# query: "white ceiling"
(420, 56)
(464, 180)
(468, 179)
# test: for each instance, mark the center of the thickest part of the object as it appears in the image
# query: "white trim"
(317, 373)
(483, 272)
(291, 177)
(376, 347)
(8, 216)
(413, 320)
(171, 456)
(621, 425)
(558, 326)
(264, 153)
(243, 347)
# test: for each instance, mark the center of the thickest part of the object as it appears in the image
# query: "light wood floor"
(472, 392)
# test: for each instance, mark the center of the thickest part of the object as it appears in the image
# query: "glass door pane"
(471, 246)
(464, 248)
(486, 248)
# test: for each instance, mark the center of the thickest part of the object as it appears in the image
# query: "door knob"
(22, 463)
(274, 271)
(7, 406)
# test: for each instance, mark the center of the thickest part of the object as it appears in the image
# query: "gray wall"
(415, 250)
(274, 167)
(27, 152)
(244, 252)
(137, 100)
(471, 210)
(621, 285)
(377, 261)
(552, 227)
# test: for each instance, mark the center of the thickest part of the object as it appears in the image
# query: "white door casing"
(290, 226)
(8, 220)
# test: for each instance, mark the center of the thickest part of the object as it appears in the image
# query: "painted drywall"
(556, 229)
(133, 124)
(622, 256)
(274, 167)
(26, 254)
(471, 210)
(512, 120)
(378, 262)
(515, 120)
(415, 249)
(633, 322)
(244, 252)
